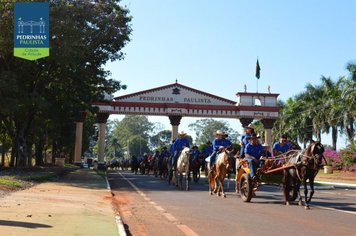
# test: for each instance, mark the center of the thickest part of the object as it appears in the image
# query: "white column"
(268, 137)
(268, 125)
(174, 132)
(80, 118)
(175, 121)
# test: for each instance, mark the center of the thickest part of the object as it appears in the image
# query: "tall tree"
(133, 134)
(332, 108)
(205, 129)
(48, 93)
(161, 139)
(348, 94)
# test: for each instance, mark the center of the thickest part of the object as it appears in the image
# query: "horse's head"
(184, 156)
(316, 152)
(186, 151)
(225, 158)
(317, 148)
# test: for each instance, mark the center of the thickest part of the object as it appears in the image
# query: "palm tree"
(319, 109)
(289, 120)
(311, 116)
(332, 107)
(348, 95)
(351, 67)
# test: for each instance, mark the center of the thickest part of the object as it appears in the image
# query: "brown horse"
(163, 171)
(218, 173)
(195, 167)
(307, 167)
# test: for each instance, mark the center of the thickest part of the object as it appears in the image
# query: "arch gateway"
(176, 101)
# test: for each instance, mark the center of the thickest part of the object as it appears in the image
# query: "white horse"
(183, 167)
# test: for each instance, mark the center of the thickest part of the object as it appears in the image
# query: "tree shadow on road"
(23, 224)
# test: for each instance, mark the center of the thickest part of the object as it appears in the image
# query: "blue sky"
(213, 46)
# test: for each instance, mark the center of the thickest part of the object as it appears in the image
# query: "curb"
(346, 185)
(331, 187)
(119, 223)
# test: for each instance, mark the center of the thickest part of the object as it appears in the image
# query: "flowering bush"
(348, 157)
(352, 168)
(333, 159)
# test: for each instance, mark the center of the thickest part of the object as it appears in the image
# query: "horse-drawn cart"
(269, 173)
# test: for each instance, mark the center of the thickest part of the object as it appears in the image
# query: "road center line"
(184, 228)
(334, 209)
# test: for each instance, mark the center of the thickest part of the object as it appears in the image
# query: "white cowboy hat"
(254, 135)
(219, 132)
(265, 145)
(250, 126)
(182, 133)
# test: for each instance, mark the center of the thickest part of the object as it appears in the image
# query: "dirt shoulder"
(12, 180)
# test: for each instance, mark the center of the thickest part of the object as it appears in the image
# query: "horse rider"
(194, 154)
(280, 146)
(156, 156)
(171, 154)
(245, 138)
(219, 141)
(208, 150)
(164, 154)
(178, 145)
(253, 152)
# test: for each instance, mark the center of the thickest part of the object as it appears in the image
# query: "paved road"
(148, 206)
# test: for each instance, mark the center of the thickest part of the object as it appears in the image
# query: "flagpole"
(258, 68)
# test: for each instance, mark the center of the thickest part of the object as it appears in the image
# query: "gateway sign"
(173, 94)
(172, 100)
(31, 30)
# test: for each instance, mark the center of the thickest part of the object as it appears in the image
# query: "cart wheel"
(245, 187)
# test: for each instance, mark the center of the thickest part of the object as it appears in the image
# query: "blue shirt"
(180, 143)
(254, 150)
(165, 154)
(171, 148)
(220, 142)
(277, 147)
(245, 139)
(208, 150)
(194, 152)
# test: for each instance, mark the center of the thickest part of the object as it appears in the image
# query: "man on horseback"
(253, 152)
(219, 141)
(164, 154)
(208, 150)
(194, 152)
(178, 145)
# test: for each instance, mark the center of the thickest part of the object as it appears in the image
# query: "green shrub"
(348, 156)
(11, 183)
